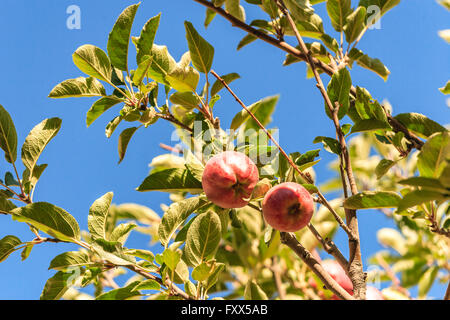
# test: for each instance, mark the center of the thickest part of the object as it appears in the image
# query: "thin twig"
(172, 119)
(447, 293)
(330, 247)
(275, 268)
(303, 285)
(176, 291)
(434, 227)
(169, 148)
(395, 281)
(11, 190)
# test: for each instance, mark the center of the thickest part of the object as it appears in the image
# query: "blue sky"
(36, 55)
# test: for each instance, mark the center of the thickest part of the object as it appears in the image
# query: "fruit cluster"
(229, 180)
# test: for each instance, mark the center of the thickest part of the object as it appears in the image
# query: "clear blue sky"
(36, 55)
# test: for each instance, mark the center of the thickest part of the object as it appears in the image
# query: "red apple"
(338, 273)
(229, 179)
(288, 207)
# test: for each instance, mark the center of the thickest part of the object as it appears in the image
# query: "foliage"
(401, 166)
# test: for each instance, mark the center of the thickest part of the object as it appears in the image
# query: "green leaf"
(300, 10)
(143, 254)
(56, 286)
(130, 114)
(383, 5)
(214, 275)
(124, 293)
(370, 125)
(190, 288)
(330, 144)
(112, 252)
(79, 87)
(6, 205)
(8, 136)
(270, 7)
(346, 128)
(30, 182)
(254, 292)
(202, 238)
(372, 199)
(210, 14)
(311, 188)
(148, 285)
(49, 219)
(218, 85)
(419, 124)
(369, 63)
(249, 38)
(93, 61)
(183, 77)
(176, 215)
(112, 125)
(426, 281)
(132, 211)
(263, 113)
(99, 107)
(170, 180)
(383, 167)
(355, 24)
(142, 70)
(10, 180)
(312, 27)
(316, 49)
(145, 41)
(201, 272)
(338, 11)
(307, 157)
(26, 252)
(267, 106)
(70, 259)
(7, 246)
(339, 91)
(417, 197)
(234, 8)
(446, 88)
(37, 140)
(98, 214)
(423, 182)
(188, 100)
(121, 232)
(431, 159)
(202, 53)
(124, 139)
(162, 64)
(119, 38)
(171, 258)
(444, 178)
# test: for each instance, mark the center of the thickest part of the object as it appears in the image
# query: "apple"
(338, 273)
(288, 207)
(229, 179)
